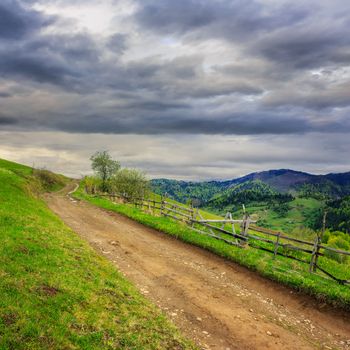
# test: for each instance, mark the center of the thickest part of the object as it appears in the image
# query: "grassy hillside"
(56, 292)
(281, 269)
(293, 217)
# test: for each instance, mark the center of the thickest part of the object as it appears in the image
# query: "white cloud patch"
(181, 157)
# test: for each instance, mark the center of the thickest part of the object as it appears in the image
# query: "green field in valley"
(294, 221)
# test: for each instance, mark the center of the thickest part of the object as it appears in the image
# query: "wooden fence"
(225, 230)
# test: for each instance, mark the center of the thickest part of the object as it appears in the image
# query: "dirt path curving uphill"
(218, 304)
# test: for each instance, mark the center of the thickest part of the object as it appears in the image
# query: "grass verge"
(281, 269)
(56, 292)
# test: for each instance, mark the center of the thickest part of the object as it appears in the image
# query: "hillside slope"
(56, 292)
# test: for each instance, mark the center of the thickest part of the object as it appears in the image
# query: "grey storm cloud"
(73, 48)
(229, 67)
(298, 34)
(117, 42)
(56, 59)
(4, 120)
(308, 48)
(36, 68)
(5, 94)
(231, 19)
(188, 88)
(18, 21)
(151, 120)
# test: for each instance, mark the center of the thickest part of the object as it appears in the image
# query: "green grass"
(294, 221)
(281, 269)
(18, 169)
(204, 213)
(56, 292)
(38, 180)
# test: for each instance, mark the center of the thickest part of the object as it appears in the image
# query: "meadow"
(56, 292)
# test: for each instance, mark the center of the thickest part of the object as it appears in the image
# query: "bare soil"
(216, 303)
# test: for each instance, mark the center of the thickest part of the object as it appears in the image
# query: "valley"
(286, 200)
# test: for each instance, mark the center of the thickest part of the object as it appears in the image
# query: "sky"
(185, 89)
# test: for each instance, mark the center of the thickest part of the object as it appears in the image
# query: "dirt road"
(218, 304)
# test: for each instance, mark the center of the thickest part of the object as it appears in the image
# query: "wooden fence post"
(316, 253)
(313, 255)
(192, 211)
(162, 205)
(242, 224)
(223, 224)
(245, 224)
(195, 214)
(320, 240)
(276, 245)
(233, 225)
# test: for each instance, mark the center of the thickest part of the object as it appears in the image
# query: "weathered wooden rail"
(224, 229)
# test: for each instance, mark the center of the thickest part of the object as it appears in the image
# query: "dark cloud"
(176, 16)
(36, 68)
(17, 21)
(295, 35)
(71, 48)
(177, 79)
(4, 120)
(231, 19)
(152, 120)
(305, 48)
(117, 43)
(5, 94)
(34, 56)
(62, 60)
(260, 81)
(155, 106)
(235, 124)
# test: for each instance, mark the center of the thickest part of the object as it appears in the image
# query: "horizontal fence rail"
(224, 230)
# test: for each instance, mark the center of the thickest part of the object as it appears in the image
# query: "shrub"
(48, 180)
(337, 242)
(326, 236)
(92, 184)
(131, 183)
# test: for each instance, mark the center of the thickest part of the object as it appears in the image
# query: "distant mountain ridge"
(285, 180)
(281, 179)
(333, 185)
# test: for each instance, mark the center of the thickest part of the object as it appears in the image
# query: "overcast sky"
(186, 89)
